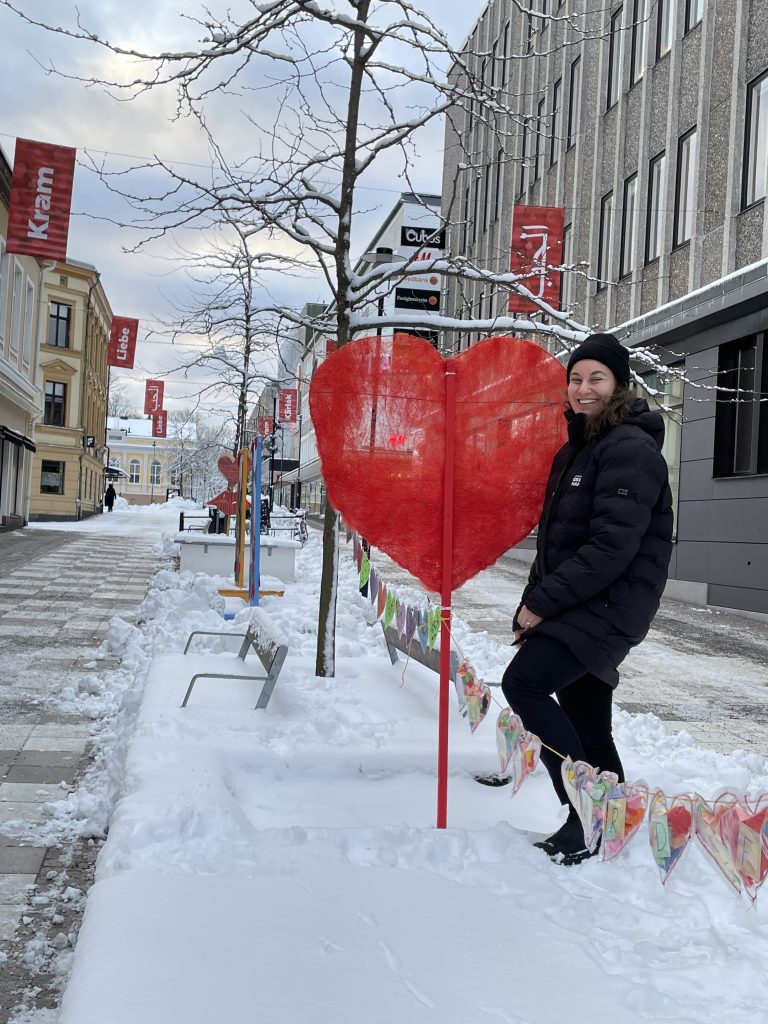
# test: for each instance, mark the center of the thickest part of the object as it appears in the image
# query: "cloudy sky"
(149, 283)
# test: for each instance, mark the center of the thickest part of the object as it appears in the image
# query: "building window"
(4, 264)
(523, 184)
(566, 277)
(628, 227)
(639, 19)
(504, 56)
(17, 302)
(654, 224)
(668, 391)
(59, 319)
(694, 12)
(154, 473)
(755, 143)
(741, 419)
(540, 123)
(574, 101)
(499, 189)
(52, 477)
(465, 221)
(134, 471)
(665, 27)
(615, 51)
(685, 206)
(604, 241)
(554, 143)
(55, 404)
(29, 318)
(486, 194)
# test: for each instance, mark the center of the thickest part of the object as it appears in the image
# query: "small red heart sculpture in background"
(378, 408)
(229, 467)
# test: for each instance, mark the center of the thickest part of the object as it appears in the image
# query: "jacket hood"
(651, 422)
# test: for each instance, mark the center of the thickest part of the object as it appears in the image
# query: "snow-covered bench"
(431, 659)
(266, 641)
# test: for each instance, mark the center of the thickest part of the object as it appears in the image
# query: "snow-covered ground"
(282, 865)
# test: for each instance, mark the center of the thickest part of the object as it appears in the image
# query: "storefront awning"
(16, 438)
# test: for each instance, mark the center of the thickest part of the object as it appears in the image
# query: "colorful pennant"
(669, 830)
(474, 695)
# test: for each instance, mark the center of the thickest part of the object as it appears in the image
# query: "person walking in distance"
(602, 554)
(109, 497)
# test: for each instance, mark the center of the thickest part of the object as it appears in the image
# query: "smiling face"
(590, 386)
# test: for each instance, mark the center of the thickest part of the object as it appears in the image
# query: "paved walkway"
(58, 593)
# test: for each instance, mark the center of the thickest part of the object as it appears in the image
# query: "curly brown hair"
(615, 411)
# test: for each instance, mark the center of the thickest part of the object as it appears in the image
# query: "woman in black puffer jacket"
(603, 550)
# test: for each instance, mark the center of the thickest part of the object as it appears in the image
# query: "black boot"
(567, 846)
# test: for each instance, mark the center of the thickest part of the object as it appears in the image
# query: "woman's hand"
(527, 620)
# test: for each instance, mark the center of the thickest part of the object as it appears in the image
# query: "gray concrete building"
(647, 121)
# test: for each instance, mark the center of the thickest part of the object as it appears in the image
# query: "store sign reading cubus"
(153, 396)
(41, 197)
(160, 423)
(122, 342)
(537, 246)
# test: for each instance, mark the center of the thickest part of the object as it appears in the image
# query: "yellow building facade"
(19, 394)
(69, 464)
(144, 469)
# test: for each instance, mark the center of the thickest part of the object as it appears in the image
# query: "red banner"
(153, 396)
(266, 425)
(41, 196)
(286, 405)
(537, 245)
(160, 423)
(122, 342)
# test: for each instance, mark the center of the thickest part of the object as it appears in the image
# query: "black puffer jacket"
(604, 542)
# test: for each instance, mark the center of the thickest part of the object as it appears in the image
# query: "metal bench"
(431, 659)
(260, 637)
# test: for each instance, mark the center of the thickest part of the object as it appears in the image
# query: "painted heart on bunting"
(379, 409)
(624, 814)
(743, 830)
(708, 825)
(381, 600)
(670, 825)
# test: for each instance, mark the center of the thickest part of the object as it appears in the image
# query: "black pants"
(578, 724)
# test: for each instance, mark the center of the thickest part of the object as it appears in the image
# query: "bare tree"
(330, 95)
(119, 403)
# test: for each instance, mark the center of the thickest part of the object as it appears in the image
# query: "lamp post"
(381, 256)
(152, 475)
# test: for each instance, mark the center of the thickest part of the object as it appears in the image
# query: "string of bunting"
(731, 828)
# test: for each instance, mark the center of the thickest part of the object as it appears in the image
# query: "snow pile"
(250, 847)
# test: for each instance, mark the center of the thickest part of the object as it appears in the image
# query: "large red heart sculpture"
(229, 467)
(378, 408)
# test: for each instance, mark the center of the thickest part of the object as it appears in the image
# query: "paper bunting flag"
(433, 626)
(389, 610)
(421, 629)
(410, 624)
(518, 749)
(365, 569)
(474, 695)
(588, 790)
(624, 814)
(382, 597)
(744, 830)
(373, 588)
(669, 830)
(400, 618)
(708, 821)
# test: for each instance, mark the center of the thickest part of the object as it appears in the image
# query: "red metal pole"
(445, 617)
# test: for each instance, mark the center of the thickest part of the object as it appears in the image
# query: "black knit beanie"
(605, 349)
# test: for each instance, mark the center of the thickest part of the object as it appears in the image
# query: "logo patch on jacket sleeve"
(624, 492)
(576, 481)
